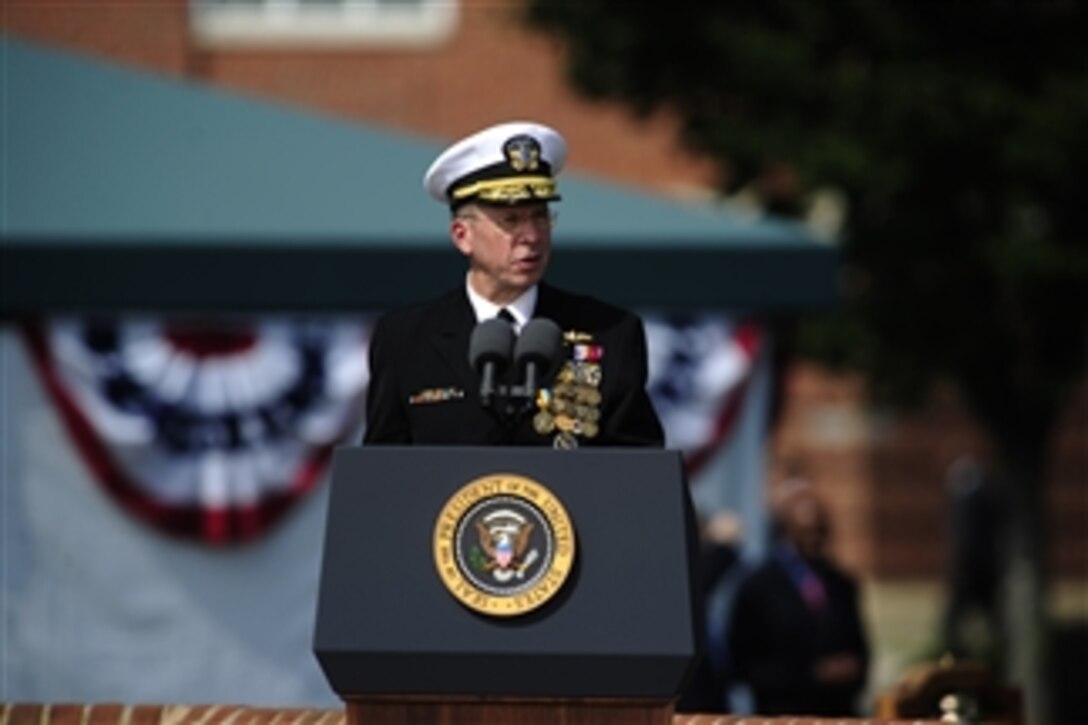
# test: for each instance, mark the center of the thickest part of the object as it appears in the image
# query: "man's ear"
(459, 235)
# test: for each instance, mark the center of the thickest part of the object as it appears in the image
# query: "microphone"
(538, 353)
(489, 350)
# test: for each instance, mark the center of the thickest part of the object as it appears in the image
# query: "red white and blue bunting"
(206, 430)
(699, 374)
(213, 430)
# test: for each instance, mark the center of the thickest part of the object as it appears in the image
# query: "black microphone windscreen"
(541, 342)
(491, 341)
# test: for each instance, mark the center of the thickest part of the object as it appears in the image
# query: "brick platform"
(117, 714)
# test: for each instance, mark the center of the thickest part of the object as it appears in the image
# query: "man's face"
(508, 246)
(808, 527)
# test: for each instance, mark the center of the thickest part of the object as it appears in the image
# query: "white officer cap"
(504, 164)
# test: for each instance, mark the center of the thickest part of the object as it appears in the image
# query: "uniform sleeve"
(631, 419)
(386, 416)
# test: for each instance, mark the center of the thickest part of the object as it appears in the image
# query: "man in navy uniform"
(498, 184)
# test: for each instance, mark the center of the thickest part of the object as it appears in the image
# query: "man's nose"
(528, 233)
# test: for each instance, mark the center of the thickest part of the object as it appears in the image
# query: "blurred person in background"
(796, 635)
(971, 625)
(720, 537)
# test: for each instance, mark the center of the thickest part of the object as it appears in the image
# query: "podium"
(607, 633)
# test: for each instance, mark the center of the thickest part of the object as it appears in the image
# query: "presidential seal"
(503, 545)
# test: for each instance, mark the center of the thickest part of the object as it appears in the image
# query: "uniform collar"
(521, 308)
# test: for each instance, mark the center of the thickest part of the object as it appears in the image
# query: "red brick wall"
(151, 35)
(491, 70)
(885, 474)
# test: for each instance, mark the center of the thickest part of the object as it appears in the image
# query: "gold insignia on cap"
(522, 152)
(509, 190)
(520, 159)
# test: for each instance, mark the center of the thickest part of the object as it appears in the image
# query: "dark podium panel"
(624, 626)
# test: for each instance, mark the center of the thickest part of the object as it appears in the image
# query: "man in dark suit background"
(498, 184)
(796, 635)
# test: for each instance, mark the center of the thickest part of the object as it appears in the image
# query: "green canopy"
(125, 191)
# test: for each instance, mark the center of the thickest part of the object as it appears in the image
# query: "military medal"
(571, 407)
(588, 353)
(565, 440)
(587, 373)
(543, 422)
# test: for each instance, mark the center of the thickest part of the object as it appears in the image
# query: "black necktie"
(504, 314)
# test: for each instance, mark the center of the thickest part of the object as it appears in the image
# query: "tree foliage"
(956, 132)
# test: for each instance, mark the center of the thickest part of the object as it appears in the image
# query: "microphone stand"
(512, 402)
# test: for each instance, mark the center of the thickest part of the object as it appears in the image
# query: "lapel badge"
(436, 395)
(572, 337)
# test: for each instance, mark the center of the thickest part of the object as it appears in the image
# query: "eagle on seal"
(504, 545)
